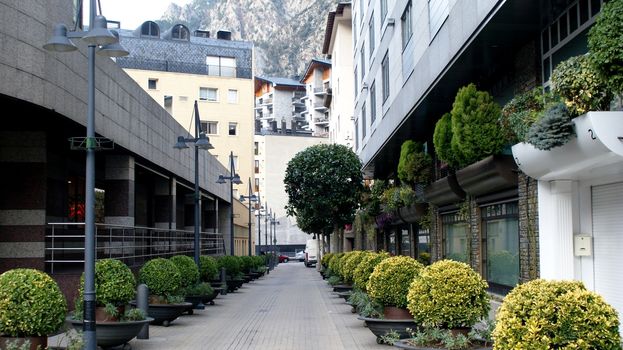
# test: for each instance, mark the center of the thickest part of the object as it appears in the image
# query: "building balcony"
(321, 120)
(320, 107)
(320, 91)
(298, 117)
(267, 101)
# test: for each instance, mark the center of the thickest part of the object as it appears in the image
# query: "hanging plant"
(414, 165)
(604, 44)
(521, 112)
(553, 130)
(442, 139)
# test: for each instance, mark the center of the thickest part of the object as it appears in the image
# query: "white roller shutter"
(607, 203)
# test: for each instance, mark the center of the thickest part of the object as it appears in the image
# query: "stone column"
(164, 203)
(120, 192)
(23, 190)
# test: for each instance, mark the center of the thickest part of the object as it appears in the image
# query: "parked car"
(311, 252)
(300, 256)
(283, 258)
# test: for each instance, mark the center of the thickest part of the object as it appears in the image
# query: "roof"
(315, 62)
(330, 21)
(279, 82)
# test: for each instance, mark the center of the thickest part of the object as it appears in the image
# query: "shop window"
(501, 244)
(405, 242)
(423, 245)
(455, 234)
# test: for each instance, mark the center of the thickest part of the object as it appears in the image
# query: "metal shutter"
(607, 206)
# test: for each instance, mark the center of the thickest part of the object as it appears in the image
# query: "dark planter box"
(380, 327)
(164, 314)
(492, 174)
(210, 298)
(342, 288)
(111, 334)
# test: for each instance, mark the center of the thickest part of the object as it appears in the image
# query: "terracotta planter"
(35, 342)
(380, 327)
(112, 334)
(396, 313)
(102, 316)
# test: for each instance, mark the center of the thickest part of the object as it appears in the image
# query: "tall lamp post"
(259, 223)
(252, 198)
(201, 141)
(274, 224)
(107, 41)
(233, 179)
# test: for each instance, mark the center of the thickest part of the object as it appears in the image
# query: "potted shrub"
(32, 307)
(114, 289)
(543, 314)
(450, 295)
(232, 267)
(164, 281)
(366, 267)
(388, 285)
(190, 279)
(209, 273)
(351, 261)
(604, 44)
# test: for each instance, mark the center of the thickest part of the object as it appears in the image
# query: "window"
(208, 94)
(363, 121)
(210, 128)
(232, 96)
(356, 83)
(455, 229)
(438, 11)
(235, 161)
(383, 10)
(257, 184)
(257, 166)
(256, 148)
(372, 103)
(361, 9)
(363, 60)
(232, 129)
(221, 66)
(385, 76)
(371, 34)
(356, 134)
(180, 32)
(423, 244)
(168, 104)
(152, 84)
(150, 28)
(405, 21)
(405, 241)
(501, 241)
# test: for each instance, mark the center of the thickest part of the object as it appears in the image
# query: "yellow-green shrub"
(366, 267)
(544, 314)
(448, 294)
(391, 278)
(334, 264)
(351, 263)
(326, 258)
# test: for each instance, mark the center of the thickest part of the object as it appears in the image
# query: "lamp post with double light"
(201, 141)
(107, 43)
(233, 179)
(252, 198)
(274, 223)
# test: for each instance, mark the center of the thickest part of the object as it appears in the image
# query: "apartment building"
(409, 60)
(318, 96)
(337, 46)
(178, 66)
(278, 105)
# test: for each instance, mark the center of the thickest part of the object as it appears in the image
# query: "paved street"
(292, 308)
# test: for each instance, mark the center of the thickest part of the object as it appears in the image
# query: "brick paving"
(292, 308)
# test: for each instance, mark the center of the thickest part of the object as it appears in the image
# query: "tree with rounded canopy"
(323, 183)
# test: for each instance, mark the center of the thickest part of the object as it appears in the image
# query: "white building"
(317, 80)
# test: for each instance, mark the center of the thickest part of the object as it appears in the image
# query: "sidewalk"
(292, 308)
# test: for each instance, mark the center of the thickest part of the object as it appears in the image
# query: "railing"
(64, 244)
(184, 67)
(319, 90)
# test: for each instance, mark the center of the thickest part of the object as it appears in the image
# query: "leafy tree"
(442, 138)
(414, 165)
(323, 183)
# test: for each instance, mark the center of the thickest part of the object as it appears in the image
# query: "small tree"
(604, 44)
(442, 139)
(414, 165)
(323, 183)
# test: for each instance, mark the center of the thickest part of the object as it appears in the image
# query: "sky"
(132, 13)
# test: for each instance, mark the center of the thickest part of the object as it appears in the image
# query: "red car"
(283, 258)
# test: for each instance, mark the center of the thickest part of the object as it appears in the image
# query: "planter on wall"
(599, 142)
(412, 213)
(444, 191)
(492, 174)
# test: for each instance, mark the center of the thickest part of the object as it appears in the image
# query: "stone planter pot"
(342, 288)
(380, 327)
(36, 343)
(344, 295)
(164, 314)
(209, 299)
(404, 344)
(112, 334)
(194, 300)
(232, 285)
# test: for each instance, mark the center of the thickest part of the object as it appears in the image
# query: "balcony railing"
(319, 91)
(320, 106)
(184, 67)
(64, 244)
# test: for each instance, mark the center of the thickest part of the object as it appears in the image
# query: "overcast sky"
(132, 13)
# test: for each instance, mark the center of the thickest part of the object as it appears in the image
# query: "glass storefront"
(501, 240)
(455, 233)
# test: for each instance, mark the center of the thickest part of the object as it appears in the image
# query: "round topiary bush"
(188, 269)
(442, 139)
(31, 304)
(114, 283)
(604, 44)
(208, 268)
(246, 263)
(161, 276)
(334, 264)
(414, 165)
(448, 294)
(390, 280)
(580, 85)
(366, 267)
(326, 258)
(231, 265)
(543, 314)
(350, 264)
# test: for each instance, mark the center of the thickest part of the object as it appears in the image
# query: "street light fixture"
(259, 222)
(274, 223)
(100, 37)
(233, 179)
(252, 198)
(201, 141)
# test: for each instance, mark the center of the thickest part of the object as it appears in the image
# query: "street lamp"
(259, 223)
(100, 37)
(252, 198)
(274, 224)
(233, 179)
(201, 141)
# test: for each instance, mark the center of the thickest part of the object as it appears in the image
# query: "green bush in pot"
(231, 265)
(162, 277)
(208, 268)
(604, 44)
(31, 304)
(448, 294)
(189, 272)
(350, 264)
(545, 314)
(366, 267)
(390, 280)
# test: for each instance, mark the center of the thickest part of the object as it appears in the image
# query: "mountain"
(286, 33)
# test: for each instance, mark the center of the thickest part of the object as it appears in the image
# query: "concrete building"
(417, 55)
(317, 80)
(145, 187)
(338, 42)
(278, 105)
(178, 66)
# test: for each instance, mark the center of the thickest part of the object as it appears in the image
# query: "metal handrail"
(134, 245)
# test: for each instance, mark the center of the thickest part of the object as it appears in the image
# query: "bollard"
(142, 302)
(223, 281)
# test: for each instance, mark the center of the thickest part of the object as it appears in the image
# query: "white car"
(300, 256)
